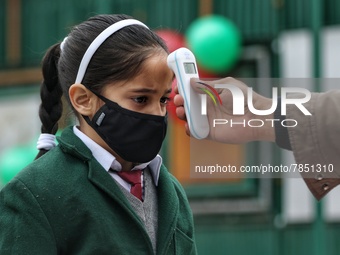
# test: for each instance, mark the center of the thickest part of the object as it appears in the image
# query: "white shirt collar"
(108, 161)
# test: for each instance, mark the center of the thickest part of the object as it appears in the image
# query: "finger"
(178, 100)
(197, 85)
(181, 113)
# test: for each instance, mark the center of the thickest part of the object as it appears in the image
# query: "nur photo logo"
(240, 99)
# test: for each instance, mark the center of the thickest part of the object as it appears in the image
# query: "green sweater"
(66, 203)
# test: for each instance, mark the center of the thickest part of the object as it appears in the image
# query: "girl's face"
(149, 91)
(146, 93)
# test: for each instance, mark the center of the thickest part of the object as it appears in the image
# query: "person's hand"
(236, 128)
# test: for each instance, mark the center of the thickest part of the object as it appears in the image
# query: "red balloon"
(173, 39)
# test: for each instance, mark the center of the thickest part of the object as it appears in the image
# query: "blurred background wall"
(291, 39)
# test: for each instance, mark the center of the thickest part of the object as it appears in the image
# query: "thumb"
(198, 85)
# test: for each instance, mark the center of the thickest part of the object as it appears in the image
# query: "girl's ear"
(83, 100)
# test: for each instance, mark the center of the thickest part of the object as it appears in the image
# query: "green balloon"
(14, 160)
(215, 42)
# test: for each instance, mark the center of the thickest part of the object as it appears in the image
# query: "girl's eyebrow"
(144, 90)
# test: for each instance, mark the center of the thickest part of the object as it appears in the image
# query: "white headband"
(99, 40)
(62, 44)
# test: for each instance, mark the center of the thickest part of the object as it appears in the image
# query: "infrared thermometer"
(183, 64)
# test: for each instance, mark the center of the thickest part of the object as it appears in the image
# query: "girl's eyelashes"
(140, 100)
(144, 99)
(165, 100)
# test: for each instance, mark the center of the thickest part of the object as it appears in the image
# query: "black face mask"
(134, 136)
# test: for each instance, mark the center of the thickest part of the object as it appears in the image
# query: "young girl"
(103, 189)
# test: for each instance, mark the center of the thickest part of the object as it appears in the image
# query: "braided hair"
(119, 58)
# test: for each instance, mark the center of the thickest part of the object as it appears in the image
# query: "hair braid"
(51, 108)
